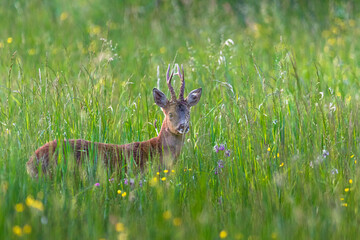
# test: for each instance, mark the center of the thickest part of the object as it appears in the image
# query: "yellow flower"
(163, 179)
(27, 229)
(344, 204)
(278, 155)
(31, 51)
(350, 181)
(119, 227)
(347, 189)
(64, 16)
(352, 156)
(9, 40)
(269, 149)
(167, 215)
(177, 222)
(124, 194)
(29, 201)
(157, 173)
(342, 199)
(153, 181)
(38, 205)
(166, 171)
(223, 234)
(355, 161)
(282, 164)
(162, 50)
(19, 207)
(17, 230)
(190, 169)
(173, 171)
(118, 191)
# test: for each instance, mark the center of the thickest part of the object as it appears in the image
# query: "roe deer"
(166, 146)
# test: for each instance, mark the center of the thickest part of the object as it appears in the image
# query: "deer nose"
(181, 128)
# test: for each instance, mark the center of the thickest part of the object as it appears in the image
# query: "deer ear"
(194, 97)
(159, 98)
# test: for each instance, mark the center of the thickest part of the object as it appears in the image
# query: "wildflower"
(344, 204)
(352, 156)
(268, 149)
(126, 182)
(119, 227)
(111, 179)
(190, 169)
(347, 189)
(227, 153)
(64, 16)
(153, 181)
(141, 183)
(278, 155)
(27, 229)
(220, 164)
(9, 40)
(163, 50)
(325, 153)
(177, 222)
(124, 194)
(119, 191)
(334, 171)
(217, 148)
(166, 171)
(19, 207)
(282, 164)
(229, 42)
(17, 230)
(223, 234)
(173, 171)
(350, 181)
(157, 173)
(167, 215)
(163, 179)
(342, 199)
(97, 184)
(31, 51)
(132, 182)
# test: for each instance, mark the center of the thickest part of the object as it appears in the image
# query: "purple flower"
(334, 171)
(325, 153)
(132, 181)
(217, 148)
(227, 153)
(220, 164)
(221, 147)
(216, 171)
(126, 181)
(97, 184)
(111, 179)
(141, 183)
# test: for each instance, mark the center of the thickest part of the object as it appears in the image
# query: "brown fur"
(166, 146)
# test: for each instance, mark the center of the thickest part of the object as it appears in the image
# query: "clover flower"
(97, 184)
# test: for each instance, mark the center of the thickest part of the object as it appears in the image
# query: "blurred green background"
(280, 91)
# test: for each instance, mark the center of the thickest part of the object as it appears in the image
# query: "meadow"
(273, 147)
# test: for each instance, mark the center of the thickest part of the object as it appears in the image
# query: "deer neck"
(171, 143)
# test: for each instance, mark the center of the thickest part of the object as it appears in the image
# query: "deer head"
(177, 111)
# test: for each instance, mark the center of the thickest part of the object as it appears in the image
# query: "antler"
(182, 88)
(168, 80)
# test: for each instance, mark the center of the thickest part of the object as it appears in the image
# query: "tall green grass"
(280, 91)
